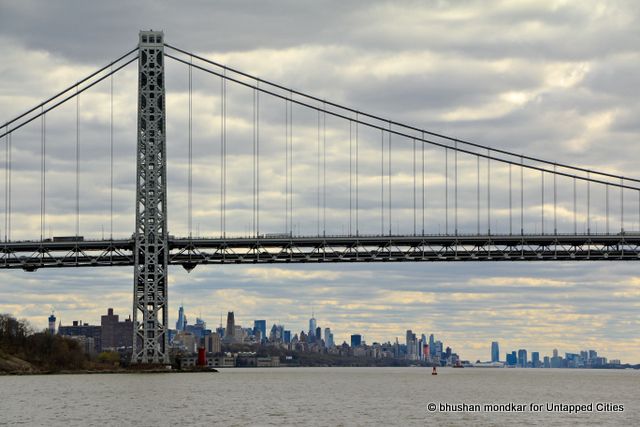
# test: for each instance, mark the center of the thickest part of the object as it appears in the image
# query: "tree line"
(42, 349)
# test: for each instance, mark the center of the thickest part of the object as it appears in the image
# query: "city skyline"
(544, 359)
(519, 90)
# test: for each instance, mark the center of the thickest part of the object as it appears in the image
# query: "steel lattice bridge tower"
(151, 249)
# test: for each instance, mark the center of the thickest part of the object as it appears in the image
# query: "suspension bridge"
(328, 183)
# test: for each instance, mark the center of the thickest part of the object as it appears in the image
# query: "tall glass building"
(260, 325)
(495, 351)
(356, 340)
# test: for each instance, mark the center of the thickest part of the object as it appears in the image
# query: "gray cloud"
(539, 78)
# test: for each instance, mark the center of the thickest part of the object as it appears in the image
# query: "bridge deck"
(32, 255)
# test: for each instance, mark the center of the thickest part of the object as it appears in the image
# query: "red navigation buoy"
(433, 372)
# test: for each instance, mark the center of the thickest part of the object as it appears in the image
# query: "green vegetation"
(23, 350)
(111, 358)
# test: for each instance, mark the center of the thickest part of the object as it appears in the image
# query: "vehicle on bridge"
(65, 239)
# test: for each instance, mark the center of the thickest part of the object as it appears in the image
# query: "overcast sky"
(554, 79)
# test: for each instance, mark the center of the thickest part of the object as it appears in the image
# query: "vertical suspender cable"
(224, 163)
(414, 187)
(286, 167)
(621, 205)
(253, 166)
(542, 201)
(357, 179)
(382, 182)
(455, 181)
(478, 195)
(6, 182)
(510, 201)
(7, 187)
(44, 178)
(291, 162)
(488, 192)
(190, 171)
(588, 205)
(42, 175)
(575, 209)
(350, 174)
(390, 188)
(423, 184)
(521, 196)
(77, 163)
(258, 160)
(318, 181)
(555, 202)
(324, 170)
(111, 161)
(221, 156)
(607, 207)
(446, 191)
(10, 181)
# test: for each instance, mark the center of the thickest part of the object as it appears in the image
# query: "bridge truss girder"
(192, 252)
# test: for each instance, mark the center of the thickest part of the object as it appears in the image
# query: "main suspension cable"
(427, 141)
(73, 86)
(59, 103)
(381, 119)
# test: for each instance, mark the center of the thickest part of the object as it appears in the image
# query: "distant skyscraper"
(411, 343)
(318, 334)
(432, 345)
(231, 326)
(328, 338)
(52, 324)
(199, 330)
(260, 325)
(212, 343)
(438, 352)
(356, 340)
(512, 359)
(312, 325)
(409, 338)
(495, 351)
(287, 337)
(555, 352)
(535, 359)
(277, 333)
(182, 320)
(522, 358)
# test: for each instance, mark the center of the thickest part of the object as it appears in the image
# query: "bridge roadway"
(190, 252)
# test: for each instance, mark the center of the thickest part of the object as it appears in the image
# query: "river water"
(323, 396)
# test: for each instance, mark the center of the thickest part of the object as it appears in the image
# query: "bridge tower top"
(151, 38)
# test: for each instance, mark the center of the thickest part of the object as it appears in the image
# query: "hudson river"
(326, 396)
